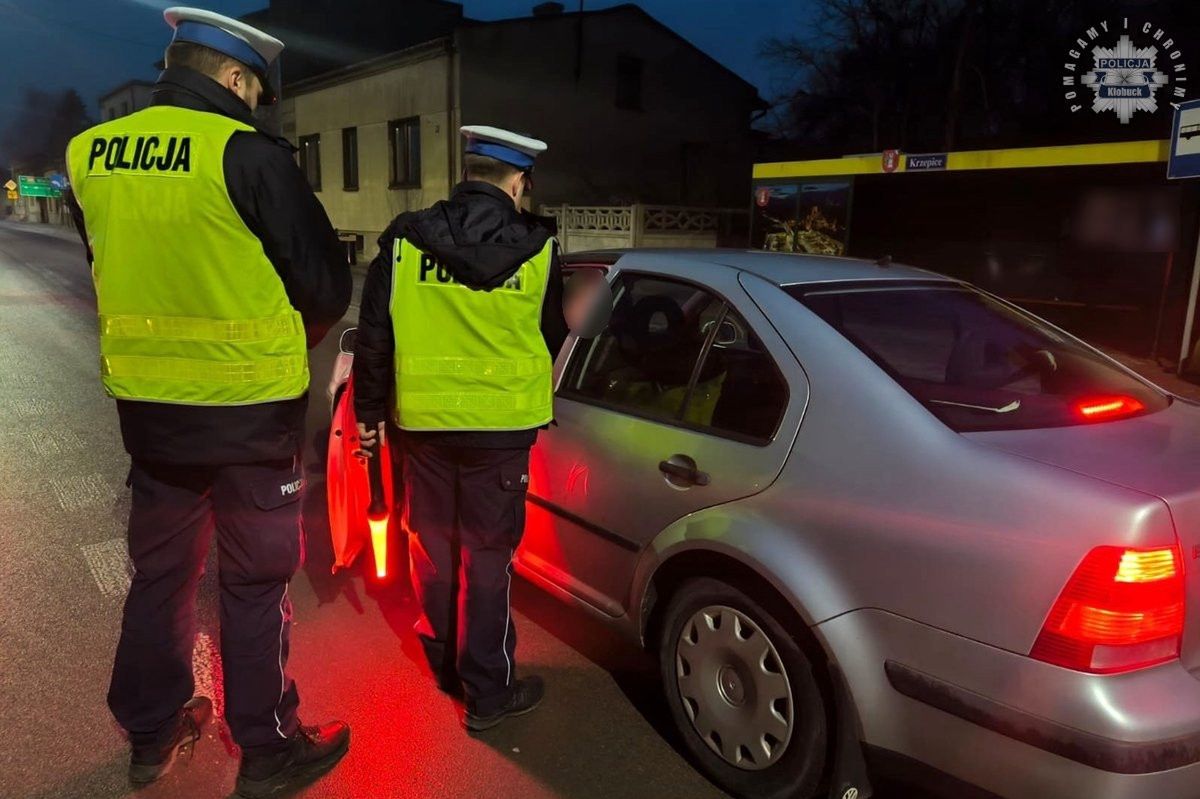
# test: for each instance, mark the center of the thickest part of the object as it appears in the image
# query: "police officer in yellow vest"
(461, 319)
(215, 270)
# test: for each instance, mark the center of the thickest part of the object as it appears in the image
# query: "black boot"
(527, 694)
(148, 762)
(311, 752)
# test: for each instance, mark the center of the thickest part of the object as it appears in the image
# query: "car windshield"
(978, 363)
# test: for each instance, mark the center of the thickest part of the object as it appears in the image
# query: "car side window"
(739, 390)
(644, 360)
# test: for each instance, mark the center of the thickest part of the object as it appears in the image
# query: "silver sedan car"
(871, 519)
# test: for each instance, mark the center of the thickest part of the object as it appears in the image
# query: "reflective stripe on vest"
(469, 359)
(191, 310)
(191, 329)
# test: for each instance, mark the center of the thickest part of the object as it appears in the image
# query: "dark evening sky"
(94, 45)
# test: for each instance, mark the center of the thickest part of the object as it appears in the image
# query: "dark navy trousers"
(465, 510)
(254, 510)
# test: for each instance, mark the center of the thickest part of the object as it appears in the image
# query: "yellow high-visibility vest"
(469, 359)
(191, 310)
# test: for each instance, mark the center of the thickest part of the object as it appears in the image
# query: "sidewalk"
(42, 228)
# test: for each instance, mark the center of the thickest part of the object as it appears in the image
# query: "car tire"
(708, 674)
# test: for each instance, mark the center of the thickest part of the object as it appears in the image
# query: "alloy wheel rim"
(734, 688)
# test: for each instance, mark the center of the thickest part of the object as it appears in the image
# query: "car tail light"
(1105, 409)
(1122, 609)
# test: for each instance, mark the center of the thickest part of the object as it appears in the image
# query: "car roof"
(784, 269)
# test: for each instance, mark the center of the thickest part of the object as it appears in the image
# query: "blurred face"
(581, 297)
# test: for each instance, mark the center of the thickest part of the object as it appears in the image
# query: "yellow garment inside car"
(651, 396)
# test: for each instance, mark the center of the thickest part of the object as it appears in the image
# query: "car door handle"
(683, 468)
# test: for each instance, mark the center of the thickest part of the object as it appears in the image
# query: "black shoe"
(527, 694)
(311, 752)
(149, 762)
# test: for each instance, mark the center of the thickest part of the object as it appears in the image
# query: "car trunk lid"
(1157, 454)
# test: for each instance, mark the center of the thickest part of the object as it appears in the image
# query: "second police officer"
(461, 319)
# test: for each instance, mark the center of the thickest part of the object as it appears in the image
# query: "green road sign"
(37, 187)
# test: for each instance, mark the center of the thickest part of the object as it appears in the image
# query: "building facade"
(632, 112)
(131, 96)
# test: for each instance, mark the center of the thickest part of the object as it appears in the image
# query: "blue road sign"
(1185, 142)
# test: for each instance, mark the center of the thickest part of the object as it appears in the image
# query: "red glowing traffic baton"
(377, 511)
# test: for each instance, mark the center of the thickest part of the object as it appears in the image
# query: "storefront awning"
(1132, 152)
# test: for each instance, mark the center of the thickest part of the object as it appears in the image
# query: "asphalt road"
(602, 732)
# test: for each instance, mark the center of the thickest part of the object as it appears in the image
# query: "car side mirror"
(587, 303)
(348, 339)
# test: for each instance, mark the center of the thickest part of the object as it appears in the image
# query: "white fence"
(582, 227)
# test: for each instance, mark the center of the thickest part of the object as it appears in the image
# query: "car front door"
(688, 399)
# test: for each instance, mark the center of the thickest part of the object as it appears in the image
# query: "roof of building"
(329, 35)
(623, 8)
(383, 62)
(777, 267)
(371, 66)
(126, 85)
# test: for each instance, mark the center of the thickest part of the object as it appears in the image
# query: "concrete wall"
(689, 144)
(413, 86)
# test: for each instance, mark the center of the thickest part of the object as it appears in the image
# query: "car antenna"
(885, 261)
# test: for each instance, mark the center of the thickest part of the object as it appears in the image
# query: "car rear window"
(978, 363)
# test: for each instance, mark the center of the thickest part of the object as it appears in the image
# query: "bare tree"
(861, 73)
(36, 138)
(947, 74)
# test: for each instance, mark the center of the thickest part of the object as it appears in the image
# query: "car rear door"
(688, 399)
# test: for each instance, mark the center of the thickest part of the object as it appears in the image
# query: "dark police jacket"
(494, 239)
(275, 201)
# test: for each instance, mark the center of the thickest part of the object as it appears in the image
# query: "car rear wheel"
(742, 693)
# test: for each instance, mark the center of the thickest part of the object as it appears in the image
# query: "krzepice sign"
(1122, 66)
(929, 162)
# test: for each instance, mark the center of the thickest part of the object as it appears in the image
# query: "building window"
(310, 159)
(124, 108)
(350, 159)
(629, 82)
(404, 142)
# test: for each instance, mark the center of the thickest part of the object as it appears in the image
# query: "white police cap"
(503, 145)
(230, 36)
